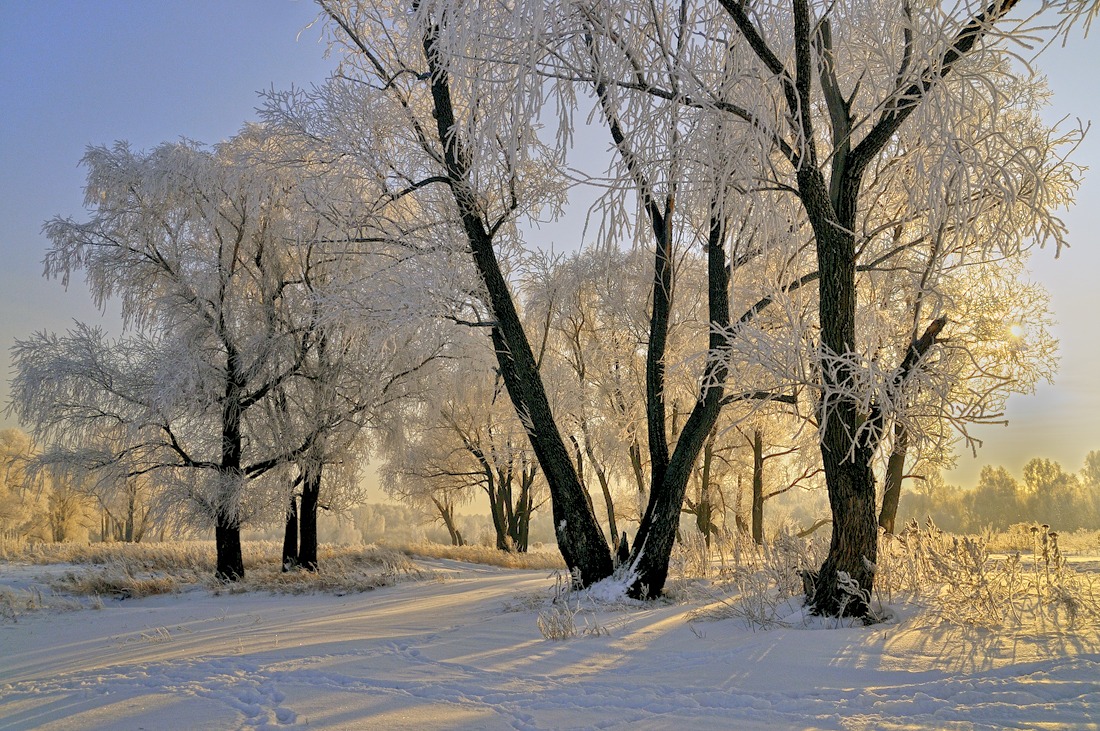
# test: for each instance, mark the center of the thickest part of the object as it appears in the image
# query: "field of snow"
(465, 652)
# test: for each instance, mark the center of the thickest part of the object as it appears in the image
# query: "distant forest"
(1048, 494)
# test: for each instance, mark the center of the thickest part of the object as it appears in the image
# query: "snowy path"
(447, 655)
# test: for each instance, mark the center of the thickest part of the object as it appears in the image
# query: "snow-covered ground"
(465, 652)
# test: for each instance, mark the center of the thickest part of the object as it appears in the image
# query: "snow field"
(465, 653)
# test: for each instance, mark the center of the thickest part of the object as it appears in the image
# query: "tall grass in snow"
(956, 579)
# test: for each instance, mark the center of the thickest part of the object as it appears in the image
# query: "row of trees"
(815, 220)
(1065, 501)
(234, 389)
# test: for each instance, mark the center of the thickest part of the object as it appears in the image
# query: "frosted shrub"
(957, 579)
(762, 585)
(960, 581)
(558, 622)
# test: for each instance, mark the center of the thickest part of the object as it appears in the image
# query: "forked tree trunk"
(447, 514)
(652, 548)
(832, 210)
(846, 457)
(519, 527)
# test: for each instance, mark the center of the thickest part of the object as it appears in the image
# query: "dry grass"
(1020, 537)
(109, 582)
(122, 571)
(961, 580)
(341, 570)
(954, 579)
(533, 560)
(1017, 578)
(172, 556)
(14, 603)
(758, 585)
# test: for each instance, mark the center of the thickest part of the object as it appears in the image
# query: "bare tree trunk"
(519, 527)
(227, 526)
(657, 531)
(832, 210)
(290, 535)
(738, 510)
(605, 486)
(853, 548)
(447, 514)
(131, 511)
(227, 540)
(311, 494)
(580, 539)
(639, 474)
(895, 473)
(758, 487)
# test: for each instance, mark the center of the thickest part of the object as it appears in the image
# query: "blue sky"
(80, 73)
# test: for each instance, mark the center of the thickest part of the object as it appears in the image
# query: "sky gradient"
(77, 74)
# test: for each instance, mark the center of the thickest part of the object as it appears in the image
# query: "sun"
(1016, 329)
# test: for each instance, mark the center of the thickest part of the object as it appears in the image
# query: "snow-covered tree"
(462, 440)
(900, 132)
(867, 149)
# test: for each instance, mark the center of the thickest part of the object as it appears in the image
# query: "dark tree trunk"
(605, 488)
(227, 539)
(758, 487)
(580, 539)
(447, 513)
(657, 532)
(639, 473)
(853, 548)
(832, 211)
(228, 527)
(131, 511)
(519, 527)
(227, 524)
(290, 536)
(704, 509)
(499, 490)
(895, 473)
(311, 493)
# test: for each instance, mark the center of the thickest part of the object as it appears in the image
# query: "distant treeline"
(1065, 501)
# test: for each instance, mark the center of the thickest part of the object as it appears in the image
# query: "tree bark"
(227, 539)
(853, 548)
(447, 513)
(832, 210)
(290, 535)
(227, 526)
(580, 539)
(311, 494)
(758, 487)
(657, 532)
(895, 473)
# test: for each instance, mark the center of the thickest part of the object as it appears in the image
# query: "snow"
(465, 652)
